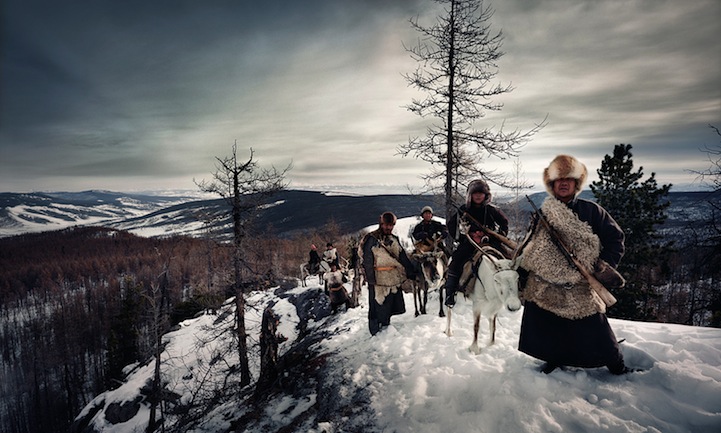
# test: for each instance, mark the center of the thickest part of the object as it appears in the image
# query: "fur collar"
(554, 284)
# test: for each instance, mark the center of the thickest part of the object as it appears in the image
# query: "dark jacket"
(313, 257)
(604, 226)
(427, 229)
(487, 214)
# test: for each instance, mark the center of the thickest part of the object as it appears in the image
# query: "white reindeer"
(496, 287)
(305, 272)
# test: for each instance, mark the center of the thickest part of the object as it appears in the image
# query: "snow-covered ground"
(420, 380)
(416, 379)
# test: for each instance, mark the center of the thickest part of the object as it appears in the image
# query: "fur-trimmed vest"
(384, 262)
(553, 284)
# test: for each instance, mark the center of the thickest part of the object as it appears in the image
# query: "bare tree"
(711, 244)
(458, 61)
(243, 186)
(712, 175)
(515, 212)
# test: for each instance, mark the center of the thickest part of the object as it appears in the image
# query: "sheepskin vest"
(554, 284)
(388, 271)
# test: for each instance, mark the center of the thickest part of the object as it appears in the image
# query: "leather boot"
(452, 282)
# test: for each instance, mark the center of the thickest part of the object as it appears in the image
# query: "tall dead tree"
(244, 186)
(457, 59)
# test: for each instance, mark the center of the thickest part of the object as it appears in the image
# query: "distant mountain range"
(286, 213)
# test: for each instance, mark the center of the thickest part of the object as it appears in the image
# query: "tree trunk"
(268, 351)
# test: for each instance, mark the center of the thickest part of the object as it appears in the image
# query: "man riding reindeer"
(429, 234)
(477, 211)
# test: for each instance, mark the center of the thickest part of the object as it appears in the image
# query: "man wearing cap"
(429, 228)
(386, 267)
(564, 321)
(478, 206)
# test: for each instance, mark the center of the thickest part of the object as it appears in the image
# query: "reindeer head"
(506, 285)
(505, 280)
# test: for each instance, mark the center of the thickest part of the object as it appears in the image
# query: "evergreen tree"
(639, 207)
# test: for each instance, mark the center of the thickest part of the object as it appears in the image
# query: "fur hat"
(565, 166)
(388, 218)
(426, 209)
(478, 185)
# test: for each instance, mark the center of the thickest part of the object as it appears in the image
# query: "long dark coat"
(379, 315)
(587, 342)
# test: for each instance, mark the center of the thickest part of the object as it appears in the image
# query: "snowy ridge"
(413, 378)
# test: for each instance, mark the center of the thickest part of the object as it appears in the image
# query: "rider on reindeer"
(478, 208)
(430, 233)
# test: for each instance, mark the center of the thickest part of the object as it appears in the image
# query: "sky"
(411, 377)
(143, 96)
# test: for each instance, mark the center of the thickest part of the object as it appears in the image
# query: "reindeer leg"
(441, 313)
(424, 292)
(492, 325)
(425, 296)
(448, 324)
(416, 297)
(476, 327)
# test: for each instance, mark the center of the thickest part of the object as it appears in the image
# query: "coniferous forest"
(78, 305)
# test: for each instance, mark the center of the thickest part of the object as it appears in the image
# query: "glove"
(464, 226)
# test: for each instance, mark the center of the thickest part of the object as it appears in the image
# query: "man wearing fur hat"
(386, 267)
(478, 206)
(564, 321)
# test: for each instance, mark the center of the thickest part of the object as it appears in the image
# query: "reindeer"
(433, 264)
(305, 272)
(323, 267)
(495, 287)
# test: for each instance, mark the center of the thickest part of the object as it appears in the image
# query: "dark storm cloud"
(93, 90)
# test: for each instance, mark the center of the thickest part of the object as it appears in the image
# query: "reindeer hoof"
(474, 349)
(448, 332)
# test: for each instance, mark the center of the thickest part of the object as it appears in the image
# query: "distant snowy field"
(420, 380)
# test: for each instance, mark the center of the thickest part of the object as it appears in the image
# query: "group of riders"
(472, 224)
(566, 266)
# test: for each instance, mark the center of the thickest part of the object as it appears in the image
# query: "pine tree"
(639, 207)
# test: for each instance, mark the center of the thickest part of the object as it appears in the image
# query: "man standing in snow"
(386, 267)
(564, 321)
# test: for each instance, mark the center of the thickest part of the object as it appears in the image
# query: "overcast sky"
(143, 95)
